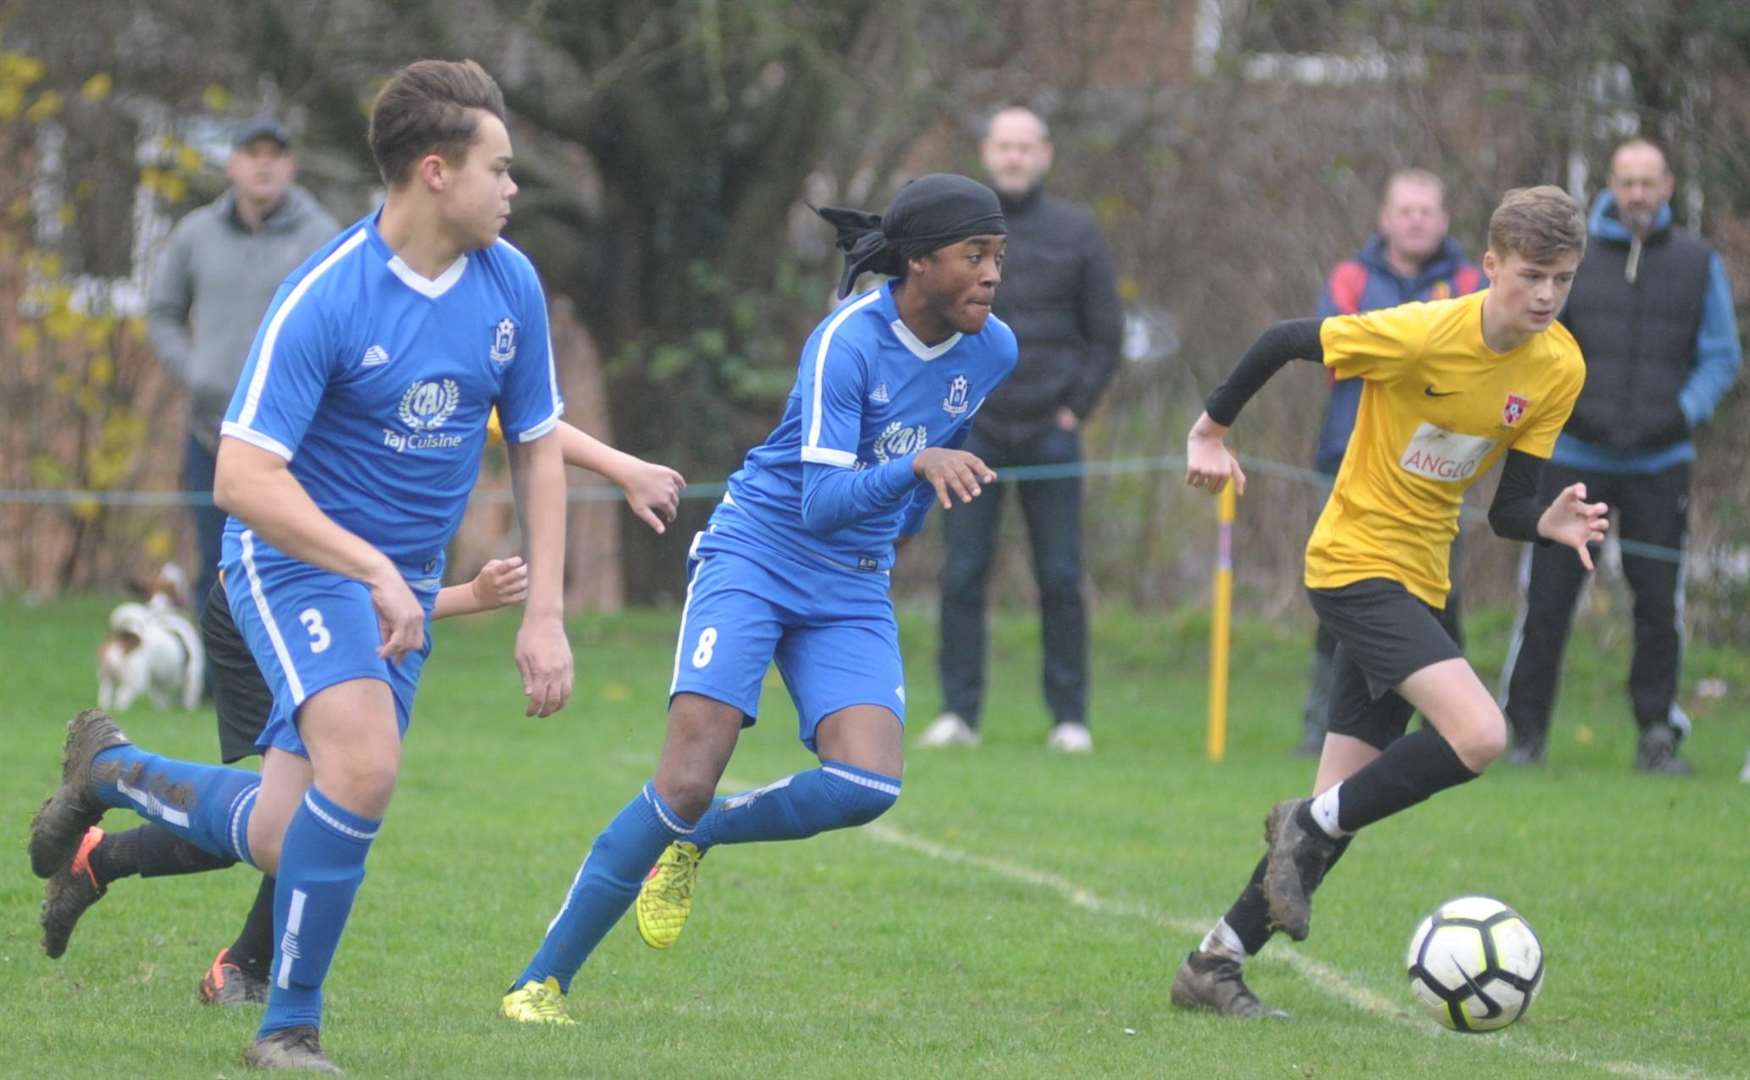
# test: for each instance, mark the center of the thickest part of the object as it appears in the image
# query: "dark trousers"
(1053, 509)
(1650, 509)
(198, 464)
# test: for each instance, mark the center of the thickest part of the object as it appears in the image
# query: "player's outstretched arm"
(257, 488)
(653, 491)
(955, 474)
(1208, 463)
(537, 471)
(1573, 521)
(499, 582)
(1515, 513)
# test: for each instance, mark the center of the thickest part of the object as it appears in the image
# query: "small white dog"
(152, 649)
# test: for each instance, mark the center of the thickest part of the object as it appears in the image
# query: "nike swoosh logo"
(1431, 392)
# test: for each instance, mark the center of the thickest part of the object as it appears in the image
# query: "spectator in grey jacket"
(214, 280)
(1060, 297)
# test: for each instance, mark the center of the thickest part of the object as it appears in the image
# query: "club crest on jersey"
(1514, 410)
(898, 440)
(424, 408)
(503, 342)
(958, 388)
(426, 405)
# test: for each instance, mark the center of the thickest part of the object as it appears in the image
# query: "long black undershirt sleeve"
(1291, 339)
(1515, 512)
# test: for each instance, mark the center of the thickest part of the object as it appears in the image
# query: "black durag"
(929, 212)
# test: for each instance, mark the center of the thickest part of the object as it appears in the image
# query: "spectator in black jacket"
(1652, 310)
(1061, 299)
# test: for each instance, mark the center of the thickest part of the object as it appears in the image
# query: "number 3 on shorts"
(707, 641)
(319, 635)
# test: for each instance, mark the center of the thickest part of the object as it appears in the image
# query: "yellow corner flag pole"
(1219, 625)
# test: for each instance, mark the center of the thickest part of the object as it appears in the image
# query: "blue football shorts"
(831, 631)
(310, 629)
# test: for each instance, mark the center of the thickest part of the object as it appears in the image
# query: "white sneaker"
(948, 730)
(1745, 775)
(1071, 739)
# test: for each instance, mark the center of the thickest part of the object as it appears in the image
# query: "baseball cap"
(262, 127)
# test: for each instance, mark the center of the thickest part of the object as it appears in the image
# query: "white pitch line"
(1322, 975)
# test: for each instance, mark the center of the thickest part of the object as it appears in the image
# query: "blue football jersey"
(868, 397)
(376, 383)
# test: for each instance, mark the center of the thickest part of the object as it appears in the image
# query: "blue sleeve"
(835, 492)
(925, 495)
(829, 386)
(1340, 411)
(287, 372)
(529, 405)
(1718, 354)
(834, 497)
(1345, 399)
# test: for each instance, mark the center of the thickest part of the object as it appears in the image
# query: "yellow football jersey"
(494, 431)
(1437, 408)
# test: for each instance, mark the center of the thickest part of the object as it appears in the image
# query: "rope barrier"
(607, 492)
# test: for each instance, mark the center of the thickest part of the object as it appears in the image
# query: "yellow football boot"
(666, 898)
(536, 1003)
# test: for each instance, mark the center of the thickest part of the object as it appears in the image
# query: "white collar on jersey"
(424, 286)
(918, 349)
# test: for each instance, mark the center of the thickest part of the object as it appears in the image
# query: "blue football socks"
(322, 862)
(834, 796)
(606, 885)
(207, 805)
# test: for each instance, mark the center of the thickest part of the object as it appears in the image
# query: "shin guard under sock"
(206, 805)
(1411, 769)
(605, 885)
(834, 796)
(322, 862)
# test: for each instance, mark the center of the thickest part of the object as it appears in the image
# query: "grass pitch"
(1019, 913)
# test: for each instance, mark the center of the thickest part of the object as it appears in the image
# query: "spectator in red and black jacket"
(1410, 258)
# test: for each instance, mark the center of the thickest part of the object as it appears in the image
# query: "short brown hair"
(1537, 223)
(427, 107)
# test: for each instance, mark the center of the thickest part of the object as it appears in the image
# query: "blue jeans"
(1053, 509)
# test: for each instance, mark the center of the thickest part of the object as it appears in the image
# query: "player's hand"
(1573, 521)
(1067, 420)
(952, 473)
(543, 656)
(1209, 464)
(501, 582)
(400, 618)
(654, 493)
